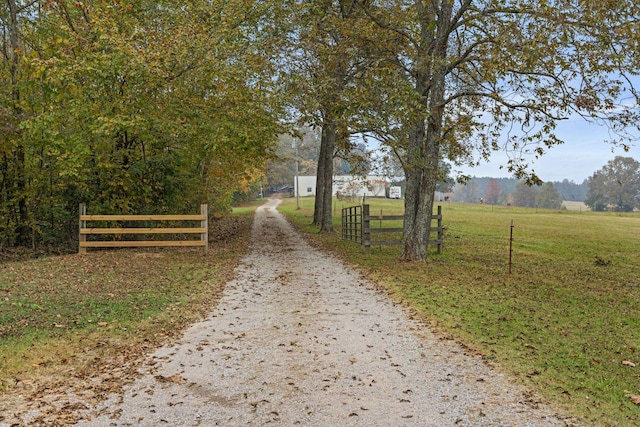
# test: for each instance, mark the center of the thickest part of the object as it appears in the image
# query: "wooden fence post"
(440, 231)
(359, 221)
(82, 224)
(205, 224)
(366, 229)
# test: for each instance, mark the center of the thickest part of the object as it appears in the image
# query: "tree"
(569, 190)
(354, 159)
(14, 112)
(467, 192)
(524, 65)
(281, 170)
(445, 182)
(132, 107)
(616, 186)
(492, 195)
(548, 197)
(318, 64)
(525, 195)
(328, 59)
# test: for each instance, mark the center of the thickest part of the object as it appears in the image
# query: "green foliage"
(524, 65)
(525, 195)
(616, 186)
(131, 107)
(282, 169)
(568, 190)
(141, 106)
(548, 197)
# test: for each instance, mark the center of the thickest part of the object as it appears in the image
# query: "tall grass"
(562, 323)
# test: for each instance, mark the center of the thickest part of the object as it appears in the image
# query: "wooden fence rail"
(356, 226)
(201, 228)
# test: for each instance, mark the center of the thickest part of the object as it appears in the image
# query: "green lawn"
(565, 323)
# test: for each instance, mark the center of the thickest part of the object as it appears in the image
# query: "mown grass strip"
(566, 323)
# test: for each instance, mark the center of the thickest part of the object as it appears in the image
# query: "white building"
(345, 185)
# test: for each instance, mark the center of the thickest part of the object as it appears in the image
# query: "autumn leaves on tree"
(132, 107)
(460, 79)
(140, 106)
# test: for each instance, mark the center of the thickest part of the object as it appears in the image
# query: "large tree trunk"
(322, 214)
(422, 177)
(328, 139)
(424, 141)
(320, 183)
(416, 203)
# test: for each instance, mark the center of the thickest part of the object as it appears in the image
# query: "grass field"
(565, 323)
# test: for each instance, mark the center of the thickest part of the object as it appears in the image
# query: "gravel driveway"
(299, 338)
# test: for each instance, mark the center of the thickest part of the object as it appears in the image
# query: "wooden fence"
(357, 227)
(201, 227)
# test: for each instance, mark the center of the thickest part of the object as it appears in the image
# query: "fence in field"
(200, 227)
(357, 227)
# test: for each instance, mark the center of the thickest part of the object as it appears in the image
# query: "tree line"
(501, 191)
(615, 187)
(130, 107)
(140, 106)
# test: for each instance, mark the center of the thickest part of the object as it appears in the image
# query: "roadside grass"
(565, 323)
(84, 321)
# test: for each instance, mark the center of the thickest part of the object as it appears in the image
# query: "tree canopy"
(525, 195)
(131, 107)
(492, 194)
(471, 77)
(140, 106)
(548, 197)
(616, 186)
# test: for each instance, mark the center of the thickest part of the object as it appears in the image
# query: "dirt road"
(300, 339)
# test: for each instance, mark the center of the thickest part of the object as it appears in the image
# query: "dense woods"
(131, 107)
(139, 106)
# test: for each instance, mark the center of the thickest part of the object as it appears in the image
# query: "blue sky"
(583, 153)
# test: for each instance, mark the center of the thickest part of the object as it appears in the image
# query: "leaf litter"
(84, 366)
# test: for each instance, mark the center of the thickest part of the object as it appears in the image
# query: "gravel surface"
(299, 338)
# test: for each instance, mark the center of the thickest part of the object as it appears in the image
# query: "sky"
(583, 153)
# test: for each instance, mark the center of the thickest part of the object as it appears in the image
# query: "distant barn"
(345, 186)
